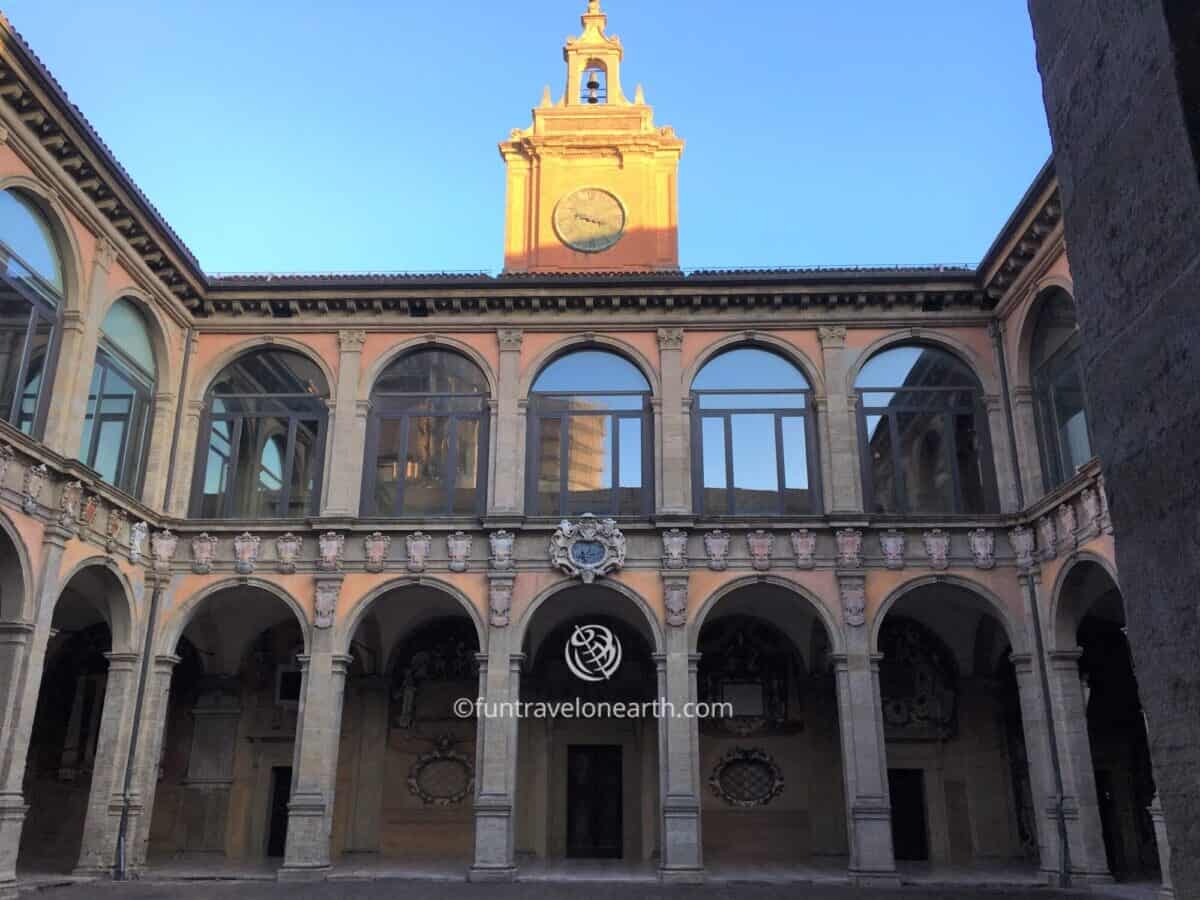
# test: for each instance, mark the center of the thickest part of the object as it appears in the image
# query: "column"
(507, 476)
(496, 744)
(185, 458)
(26, 652)
(1041, 772)
(674, 457)
(842, 492)
(1088, 859)
(1167, 890)
(162, 430)
(366, 812)
(864, 752)
(147, 757)
(310, 810)
(347, 431)
(1006, 478)
(678, 744)
(1028, 453)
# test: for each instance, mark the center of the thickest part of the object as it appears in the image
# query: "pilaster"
(506, 484)
(673, 462)
(843, 494)
(347, 430)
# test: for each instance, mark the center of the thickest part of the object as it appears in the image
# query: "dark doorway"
(281, 792)
(594, 802)
(910, 837)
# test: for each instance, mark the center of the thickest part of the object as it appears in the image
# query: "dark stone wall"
(1120, 81)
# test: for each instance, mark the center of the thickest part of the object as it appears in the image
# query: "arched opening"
(958, 772)
(771, 773)
(426, 447)
(590, 437)
(69, 770)
(1057, 373)
(587, 785)
(227, 750)
(406, 763)
(593, 88)
(1091, 604)
(262, 438)
(923, 434)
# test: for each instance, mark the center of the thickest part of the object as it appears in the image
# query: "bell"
(593, 87)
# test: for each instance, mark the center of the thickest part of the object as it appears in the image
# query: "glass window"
(116, 424)
(262, 441)
(31, 291)
(923, 434)
(1058, 388)
(589, 437)
(428, 425)
(753, 433)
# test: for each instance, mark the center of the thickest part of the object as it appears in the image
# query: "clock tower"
(592, 183)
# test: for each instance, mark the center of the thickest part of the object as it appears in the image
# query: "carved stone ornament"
(502, 550)
(746, 777)
(509, 338)
(376, 547)
(245, 552)
(1066, 528)
(1046, 538)
(500, 591)
(670, 338)
(417, 546)
(1089, 502)
(761, 543)
(326, 601)
(675, 595)
(87, 514)
(1021, 539)
(1105, 518)
(69, 502)
(804, 548)
(849, 548)
(35, 478)
(443, 777)
(112, 528)
(329, 551)
(138, 534)
(983, 547)
(853, 592)
(891, 543)
(162, 548)
(6, 458)
(588, 548)
(204, 550)
(937, 548)
(675, 541)
(458, 551)
(832, 335)
(716, 545)
(287, 550)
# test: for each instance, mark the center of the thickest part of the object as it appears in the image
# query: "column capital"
(351, 341)
(670, 339)
(510, 339)
(832, 337)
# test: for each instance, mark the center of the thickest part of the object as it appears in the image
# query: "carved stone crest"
(716, 546)
(376, 547)
(458, 550)
(162, 548)
(444, 777)
(853, 591)
(502, 550)
(675, 596)
(326, 601)
(245, 552)
(675, 541)
(1066, 528)
(417, 546)
(849, 548)
(35, 478)
(6, 458)
(138, 534)
(804, 547)
(329, 551)
(937, 548)
(588, 548)
(891, 542)
(1105, 518)
(287, 549)
(68, 504)
(1046, 538)
(204, 550)
(983, 548)
(112, 528)
(87, 514)
(1089, 501)
(761, 543)
(1021, 539)
(500, 591)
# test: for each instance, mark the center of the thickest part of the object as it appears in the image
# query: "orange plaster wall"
(360, 584)
(821, 583)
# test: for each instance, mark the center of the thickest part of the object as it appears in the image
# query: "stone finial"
(204, 551)
(849, 548)
(376, 547)
(417, 545)
(329, 551)
(716, 546)
(287, 550)
(245, 552)
(937, 548)
(891, 543)
(458, 550)
(760, 544)
(804, 548)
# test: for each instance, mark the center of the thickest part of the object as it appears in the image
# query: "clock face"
(589, 220)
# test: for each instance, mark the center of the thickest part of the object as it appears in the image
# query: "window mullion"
(952, 444)
(780, 465)
(289, 462)
(901, 486)
(615, 491)
(563, 458)
(401, 466)
(450, 475)
(235, 454)
(730, 493)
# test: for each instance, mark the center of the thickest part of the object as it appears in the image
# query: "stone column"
(1167, 890)
(678, 744)
(1006, 478)
(496, 744)
(1028, 453)
(1041, 773)
(318, 733)
(1088, 859)
(864, 752)
(185, 458)
(347, 431)
(366, 813)
(673, 466)
(147, 758)
(506, 480)
(843, 493)
(162, 430)
(26, 655)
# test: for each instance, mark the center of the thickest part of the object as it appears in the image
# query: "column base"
(303, 873)
(874, 879)
(492, 873)
(683, 875)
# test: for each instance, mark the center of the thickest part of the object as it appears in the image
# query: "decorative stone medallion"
(804, 547)
(983, 547)
(458, 550)
(204, 550)
(937, 548)
(760, 543)
(329, 551)
(674, 541)
(716, 546)
(588, 548)
(891, 543)
(849, 548)
(746, 777)
(502, 550)
(376, 547)
(287, 549)
(245, 552)
(443, 777)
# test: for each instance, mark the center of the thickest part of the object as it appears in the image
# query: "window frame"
(110, 357)
(1045, 377)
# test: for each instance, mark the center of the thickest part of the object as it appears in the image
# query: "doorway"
(281, 792)
(594, 802)
(910, 835)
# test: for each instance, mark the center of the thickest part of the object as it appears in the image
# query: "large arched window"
(31, 295)
(1058, 386)
(262, 439)
(116, 427)
(923, 434)
(427, 439)
(752, 432)
(590, 438)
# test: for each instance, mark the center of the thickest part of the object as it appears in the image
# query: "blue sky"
(362, 136)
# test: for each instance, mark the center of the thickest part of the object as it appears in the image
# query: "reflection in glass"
(1058, 386)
